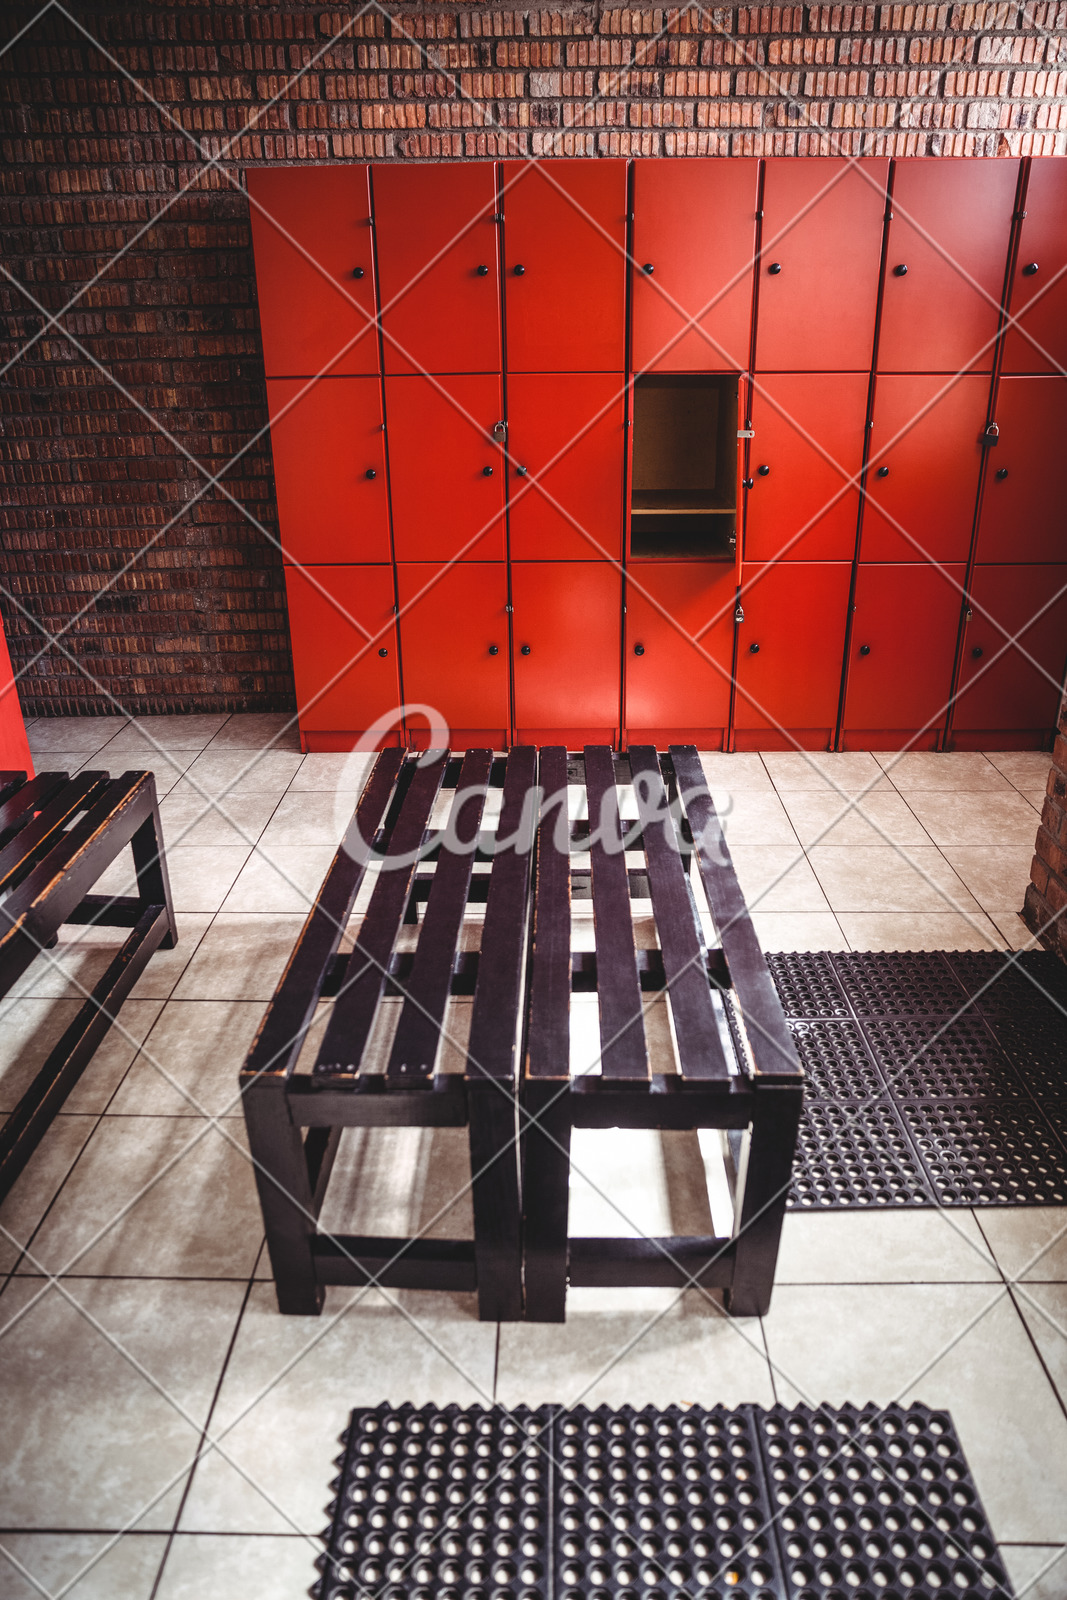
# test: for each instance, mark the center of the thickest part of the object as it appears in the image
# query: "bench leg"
(493, 1130)
(150, 863)
(762, 1189)
(285, 1194)
(545, 1199)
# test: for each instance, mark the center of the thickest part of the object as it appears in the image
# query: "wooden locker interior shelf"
(683, 498)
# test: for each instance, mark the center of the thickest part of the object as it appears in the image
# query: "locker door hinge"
(746, 433)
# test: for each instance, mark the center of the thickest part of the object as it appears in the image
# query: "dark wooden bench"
(58, 835)
(736, 1068)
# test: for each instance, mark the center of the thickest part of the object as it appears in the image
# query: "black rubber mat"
(485, 1504)
(934, 1078)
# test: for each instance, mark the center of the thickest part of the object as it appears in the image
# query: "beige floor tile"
(191, 822)
(82, 954)
(1014, 931)
(31, 1028)
(38, 1183)
(951, 772)
(334, 770)
(753, 817)
(202, 1045)
(997, 875)
(241, 957)
(1026, 769)
(117, 1216)
(919, 930)
(799, 930)
(735, 772)
(202, 876)
(125, 1570)
(879, 878)
(922, 1342)
(884, 1247)
(1029, 1242)
(240, 772)
(165, 967)
(167, 769)
(777, 878)
(879, 819)
(89, 1440)
(1036, 797)
(399, 1182)
(204, 1566)
(169, 733)
(72, 733)
(68, 761)
(1038, 1571)
(258, 730)
(285, 879)
(979, 820)
(827, 772)
(1043, 1307)
(309, 817)
(285, 1433)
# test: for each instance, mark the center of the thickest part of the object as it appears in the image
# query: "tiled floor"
(166, 1433)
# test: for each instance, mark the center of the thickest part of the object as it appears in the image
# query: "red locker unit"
(454, 643)
(694, 240)
(677, 667)
(808, 444)
(344, 653)
(446, 468)
(1009, 689)
(566, 649)
(566, 441)
(329, 469)
(789, 651)
(565, 273)
(1038, 341)
(818, 271)
(948, 251)
(1023, 504)
(438, 242)
(311, 230)
(926, 456)
(903, 646)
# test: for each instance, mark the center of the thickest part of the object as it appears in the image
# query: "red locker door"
(673, 690)
(566, 633)
(329, 469)
(808, 443)
(1010, 699)
(454, 641)
(438, 267)
(311, 230)
(925, 461)
(1026, 478)
(694, 242)
(446, 470)
(344, 652)
(902, 651)
(789, 654)
(948, 248)
(565, 243)
(1039, 289)
(818, 276)
(567, 439)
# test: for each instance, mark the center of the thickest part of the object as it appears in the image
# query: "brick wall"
(1045, 907)
(166, 594)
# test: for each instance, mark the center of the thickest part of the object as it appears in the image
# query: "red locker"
(566, 647)
(818, 275)
(565, 283)
(693, 245)
(566, 444)
(446, 469)
(1009, 692)
(948, 249)
(454, 642)
(789, 654)
(1039, 286)
(926, 456)
(344, 652)
(329, 469)
(311, 229)
(438, 266)
(1026, 477)
(808, 443)
(903, 648)
(673, 691)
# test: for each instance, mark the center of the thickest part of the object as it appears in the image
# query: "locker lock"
(383, 651)
(977, 651)
(1000, 474)
(487, 472)
(520, 272)
(500, 432)
(901, 271)
(739, 614)
(639, 649)
(649, 268)
(883, 472)
(524, 650)
(1030, 269)
(483, 272)
(753, 649)
(775, 268)
(357, 272)
(763, 471)
(865, 649)
(494, 649)
(370, 473)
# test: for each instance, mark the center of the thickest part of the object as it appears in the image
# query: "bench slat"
(41, 832)
(623, 1053)
(19, 802)
(548, 1043)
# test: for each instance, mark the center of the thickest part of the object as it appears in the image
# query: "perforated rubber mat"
(935, 1078)
(486, 1504)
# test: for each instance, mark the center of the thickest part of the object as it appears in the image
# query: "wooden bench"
(58, 835)
(736, 1068)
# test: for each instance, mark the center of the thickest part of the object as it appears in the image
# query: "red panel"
(14, 747)
(310, 310)
(449, 626)
(565, 227)
(822, 228)
(1026, 479)
(671, 686)
(343, 680)
(568, 614)
(809, 434)
(695, 226)
(1039, 298)
(549, 417)
(1008, 692)
(325, 442)
(438, 266)
(445, 502)
(929, 450)
(907, 619)
(790, 683)
(951, 228)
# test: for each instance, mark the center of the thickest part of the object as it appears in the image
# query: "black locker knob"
(520, 472)
(763, 471)
(883, 472)
(520, 272)
(1000, 474)
(639, 649)
(383, 651)
(357, 272)
(977, 651)
(494, 649)
(901, 271)
(370, 473)
(753, 649)
(524, 650)
(487, 472)
(649, 268)
(1029, 269)
(747, 483)
(775, 268)
(865, 649)
(483, 272)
